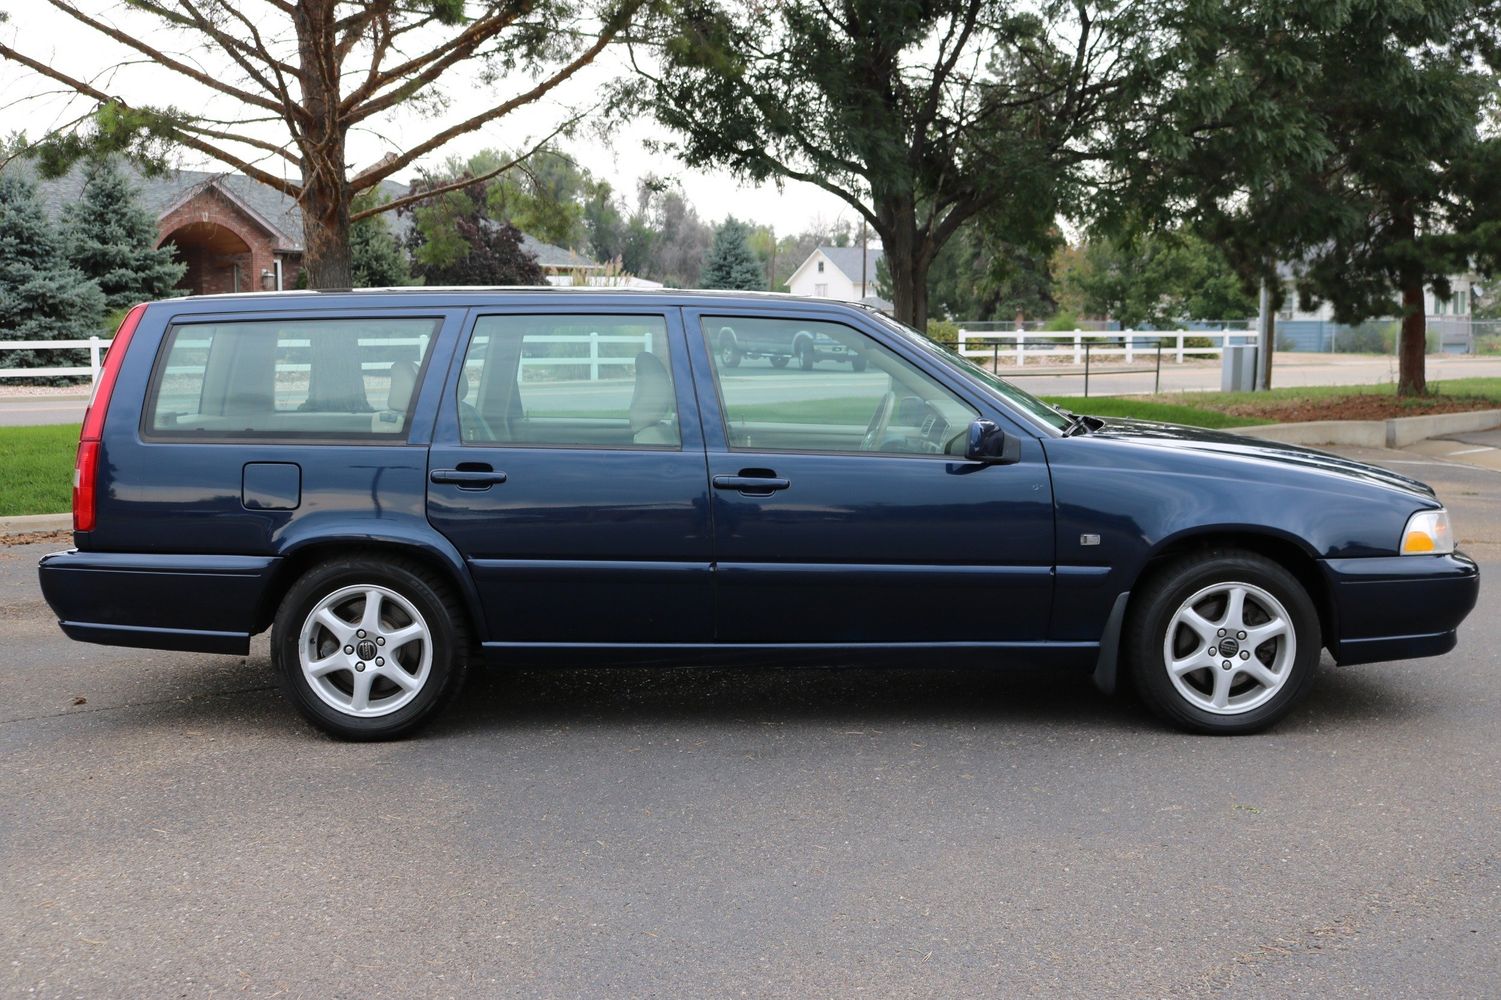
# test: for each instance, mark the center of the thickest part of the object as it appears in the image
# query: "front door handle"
(752, 486)
(468, 479)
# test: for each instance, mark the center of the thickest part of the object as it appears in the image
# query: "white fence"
(96, 346)
(593, 359)
(1020, 347)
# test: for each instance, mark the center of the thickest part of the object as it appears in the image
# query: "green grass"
(1143, 409)
(36, 469)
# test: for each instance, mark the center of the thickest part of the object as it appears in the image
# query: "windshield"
(1046, 412)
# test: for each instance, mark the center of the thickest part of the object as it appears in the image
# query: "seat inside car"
(651, 403)
(398, 398)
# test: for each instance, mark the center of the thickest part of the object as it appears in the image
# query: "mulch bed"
(37, 537)
(1358, 407)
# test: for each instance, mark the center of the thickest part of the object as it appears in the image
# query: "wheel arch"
(298, 559)
(1287, 551)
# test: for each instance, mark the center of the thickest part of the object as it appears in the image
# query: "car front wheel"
(1223, 643)
(369, 649)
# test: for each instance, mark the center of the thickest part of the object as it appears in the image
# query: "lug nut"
(361, 666)
(349, 650)
(361, 633)
(1240, 635)
(380, 661)
(1226, 664)
(1222, 631)
(380, 640)
(1245, 654)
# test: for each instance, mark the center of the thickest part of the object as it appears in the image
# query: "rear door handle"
(752, 486)
(468, 479)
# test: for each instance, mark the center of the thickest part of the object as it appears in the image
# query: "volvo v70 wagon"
(402, 484)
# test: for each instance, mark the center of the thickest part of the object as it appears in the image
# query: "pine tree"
(42, 296)
(112, 239)
(731, 262)
(377, 260)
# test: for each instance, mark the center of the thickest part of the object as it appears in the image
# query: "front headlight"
(1428, 534)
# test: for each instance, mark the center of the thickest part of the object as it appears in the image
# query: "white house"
(1462, 294)
(843, 273)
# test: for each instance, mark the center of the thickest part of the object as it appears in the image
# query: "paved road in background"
(168, 827)
(1289, 370)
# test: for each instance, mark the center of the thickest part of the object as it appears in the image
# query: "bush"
(943, 331)
(1062, 321)
(1489, 344)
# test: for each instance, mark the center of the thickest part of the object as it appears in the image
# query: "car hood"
(1221, 442)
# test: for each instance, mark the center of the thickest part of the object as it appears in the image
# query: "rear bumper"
(195, 603)
(1398, 607)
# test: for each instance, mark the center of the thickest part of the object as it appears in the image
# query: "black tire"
(858, 362)
(807, 357)
(446, 636)
(780, 361)
(729, 350)
(1156, 603)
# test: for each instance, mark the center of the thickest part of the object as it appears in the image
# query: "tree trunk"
(908, 263)
(326, 256)
(1269, 349)
(1412, 378)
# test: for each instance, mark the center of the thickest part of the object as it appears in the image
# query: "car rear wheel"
(1225, 642)
(780, 361)
(729, 350)
(369, 649)
(806, 356)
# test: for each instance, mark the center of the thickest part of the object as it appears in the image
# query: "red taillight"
(84, 478)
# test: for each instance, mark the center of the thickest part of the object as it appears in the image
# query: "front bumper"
(196, 603)
(1398, 607)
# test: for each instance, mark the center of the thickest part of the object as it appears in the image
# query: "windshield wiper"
(1077, 423)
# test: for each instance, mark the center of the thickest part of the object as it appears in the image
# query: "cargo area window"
(295, 379)
(569, 381)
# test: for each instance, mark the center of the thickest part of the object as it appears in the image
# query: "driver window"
(798, 385)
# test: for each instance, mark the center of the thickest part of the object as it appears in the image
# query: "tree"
(377, 260)
(980, 275)
(1343, 139)
(312, 70)
(1160, 278)
(42, 296)
(454, 241)
(919, 115)
(112, 239)
(731, 263)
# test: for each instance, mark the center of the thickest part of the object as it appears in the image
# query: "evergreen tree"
(42, 296)
(731, 262)
(377, 260)
(112, 239)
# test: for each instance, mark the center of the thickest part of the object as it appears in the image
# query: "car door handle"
(468, 479)
(752, 486)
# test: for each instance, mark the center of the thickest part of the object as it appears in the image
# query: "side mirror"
(989, 445)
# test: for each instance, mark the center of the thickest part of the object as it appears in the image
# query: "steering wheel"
(876, 429)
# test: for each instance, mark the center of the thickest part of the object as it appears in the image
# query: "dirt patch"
(38, 537)
(1358, 407)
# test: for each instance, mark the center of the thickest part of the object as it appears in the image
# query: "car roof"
(464, 293)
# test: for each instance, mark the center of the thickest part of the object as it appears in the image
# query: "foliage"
(454, 241)
(731, 263)
(377, 260)
(981, 276)
(1341, 137)
(318, 69)
(111, 238)
(1161, 278)
(42, 295)
(920, 116)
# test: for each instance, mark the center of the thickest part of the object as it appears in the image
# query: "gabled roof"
(847, 259)
(559, 257)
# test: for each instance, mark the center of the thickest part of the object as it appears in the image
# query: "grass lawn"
(1244, 409)
(36, 469)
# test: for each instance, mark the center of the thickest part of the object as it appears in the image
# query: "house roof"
(277, 212)
(847, 259)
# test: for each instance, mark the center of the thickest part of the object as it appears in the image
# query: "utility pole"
(771, 277)
(864, 257)
(1263, 336)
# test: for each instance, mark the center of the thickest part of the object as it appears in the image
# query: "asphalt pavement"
(169, 827)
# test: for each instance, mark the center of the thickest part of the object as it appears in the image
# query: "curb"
(1398, 432)
(28, 523)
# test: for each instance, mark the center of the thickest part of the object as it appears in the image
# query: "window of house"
(295, 378)
(821, 290)
(887, 406)
(569, 381)
(820, 267)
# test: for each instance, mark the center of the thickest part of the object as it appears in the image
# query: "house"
(1316, 330)
(238, 235)
(844, 273)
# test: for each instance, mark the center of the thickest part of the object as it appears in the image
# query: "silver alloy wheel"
(1229, 648)
(366, 651)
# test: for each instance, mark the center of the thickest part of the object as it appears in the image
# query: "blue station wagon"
(399, 484)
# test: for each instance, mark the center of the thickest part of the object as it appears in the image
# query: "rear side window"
(569, 381)
(351, 379)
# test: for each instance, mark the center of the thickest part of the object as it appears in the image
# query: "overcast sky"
(30, 103)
